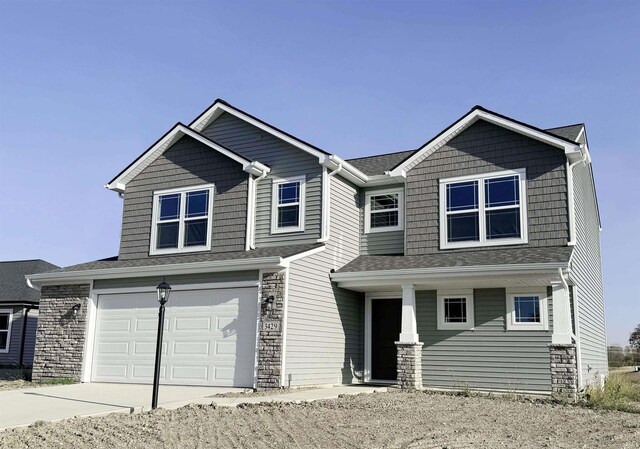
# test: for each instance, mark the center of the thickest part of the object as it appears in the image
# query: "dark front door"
(386, 317)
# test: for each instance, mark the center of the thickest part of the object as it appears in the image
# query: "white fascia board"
(471, 118)
(215, 110)
(348, 171)
(429, 273)
(66, 277)
(119, 184)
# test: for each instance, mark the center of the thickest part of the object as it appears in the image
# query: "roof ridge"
(382, 154)
(565, 126)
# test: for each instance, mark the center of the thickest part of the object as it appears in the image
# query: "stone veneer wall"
(564, 372)
(409, 365)
(61, 333)
(271, 331)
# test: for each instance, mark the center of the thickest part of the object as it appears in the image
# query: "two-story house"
(471, 262)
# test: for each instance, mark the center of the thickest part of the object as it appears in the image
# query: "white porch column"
(561, 315)
(409, 328)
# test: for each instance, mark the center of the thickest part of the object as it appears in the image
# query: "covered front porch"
(492, 328)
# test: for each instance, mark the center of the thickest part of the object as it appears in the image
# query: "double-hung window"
(287, 214)
(455, 310)
(384, 211)
(483, 210)
(5, 329)
(527, 309)
(182, 220)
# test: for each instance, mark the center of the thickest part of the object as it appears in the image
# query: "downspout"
(327, 197)
(571, 200)
(253, 203)
(573, 336)
(25, 322)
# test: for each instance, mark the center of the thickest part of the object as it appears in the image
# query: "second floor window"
(287, 213)
(483, 210)
(384, 211)
(182, 220)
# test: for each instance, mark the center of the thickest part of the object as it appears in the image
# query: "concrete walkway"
(23, 407)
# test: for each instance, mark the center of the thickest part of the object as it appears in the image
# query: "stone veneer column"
(409, 365)
(564, 370)
(271, 331)
(61, 332)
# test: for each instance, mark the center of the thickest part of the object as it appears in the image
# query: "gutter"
(85, 276)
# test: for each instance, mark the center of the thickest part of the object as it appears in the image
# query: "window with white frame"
(527, 310)
(383, 211)
(455, 310)
(5, 329)
(287, 201)
(483, 210)
(182, 220)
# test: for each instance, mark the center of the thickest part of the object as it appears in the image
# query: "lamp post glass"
(164, 290)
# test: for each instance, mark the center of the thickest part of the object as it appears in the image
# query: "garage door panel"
(209, 337)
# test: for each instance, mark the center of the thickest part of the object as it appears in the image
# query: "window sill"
(195, 249)
(491, 243)
(385, 229)
(287, 231)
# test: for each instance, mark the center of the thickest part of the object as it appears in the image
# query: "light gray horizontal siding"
(373, 243)
(484, 148)
(230, 276)
(185, 164)
(487, 358)
(325, 324)
(586, 270)
(13, 356)
(285, 161)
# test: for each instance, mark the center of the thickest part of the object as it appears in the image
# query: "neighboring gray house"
(18, 311)
(473, 261)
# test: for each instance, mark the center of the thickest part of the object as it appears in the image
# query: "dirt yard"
(379, 420)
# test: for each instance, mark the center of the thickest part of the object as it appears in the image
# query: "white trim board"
(172, 136)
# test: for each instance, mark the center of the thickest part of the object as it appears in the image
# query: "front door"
(386, 318)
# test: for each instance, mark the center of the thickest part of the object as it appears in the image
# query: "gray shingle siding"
(490, 357)
(187, 163)
(586, 271)
(483, 148)
(391, 242)
(325, 324)
(285, 161)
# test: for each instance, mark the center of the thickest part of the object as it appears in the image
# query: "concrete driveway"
(23, 407)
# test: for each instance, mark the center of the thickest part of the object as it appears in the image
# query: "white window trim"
(512, 325)
(524, 233)
(10, 324)
(367, 211)
(274, 205)
(154, 220)
(468, 296)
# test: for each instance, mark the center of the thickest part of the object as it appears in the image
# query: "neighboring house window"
(527, 310)
(182, 220)
(384, 211)
(483, 210)
(455, 310)
(6, 316)
(287, 213)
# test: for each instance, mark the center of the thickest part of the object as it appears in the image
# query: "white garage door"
(209, 337)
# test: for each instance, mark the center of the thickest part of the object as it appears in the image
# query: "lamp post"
(163, 296)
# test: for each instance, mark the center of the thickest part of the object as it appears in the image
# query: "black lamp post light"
(164, 290)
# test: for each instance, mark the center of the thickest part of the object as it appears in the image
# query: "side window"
(455, 310)
(527, 310)
(287, 214)
(384, 211)
(5, 329)
(182, 220)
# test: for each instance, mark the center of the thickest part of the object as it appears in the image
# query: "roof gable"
(479, 113)
(165, 142)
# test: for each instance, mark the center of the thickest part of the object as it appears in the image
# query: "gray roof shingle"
(470, 258)
(13, 285)
(113, 262)
(570, 132)
(377, 165)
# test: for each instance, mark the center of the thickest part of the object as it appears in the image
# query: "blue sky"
(87, 86)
